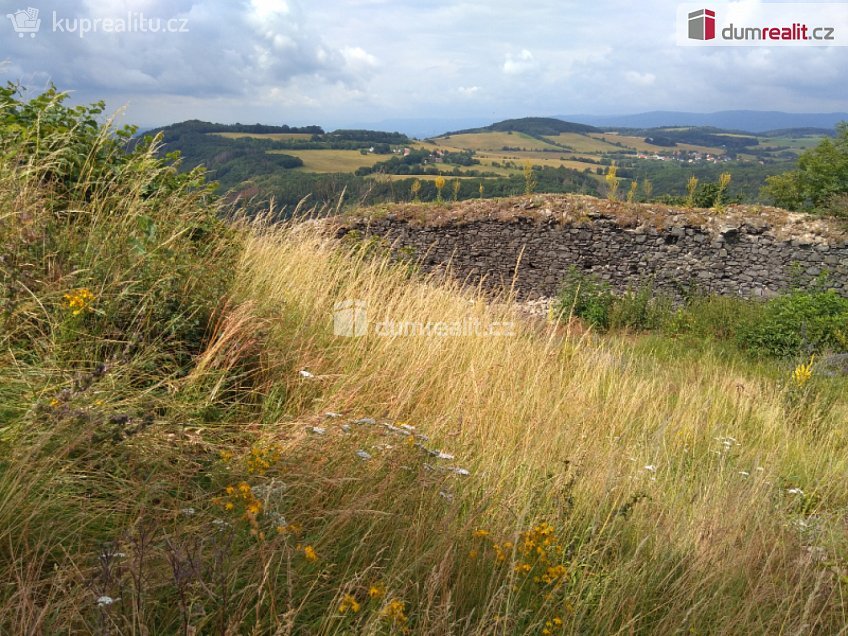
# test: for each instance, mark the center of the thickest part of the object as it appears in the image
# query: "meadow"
(187, 447)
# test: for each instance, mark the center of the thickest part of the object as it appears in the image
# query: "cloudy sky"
(337, 62)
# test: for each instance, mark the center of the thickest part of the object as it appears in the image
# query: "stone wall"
(741, 258)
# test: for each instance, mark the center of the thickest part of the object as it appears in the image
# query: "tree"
(821, 177)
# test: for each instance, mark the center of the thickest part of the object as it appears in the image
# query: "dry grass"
(195, 451)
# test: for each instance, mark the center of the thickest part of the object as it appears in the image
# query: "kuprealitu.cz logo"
(759, 24)
(28, 22)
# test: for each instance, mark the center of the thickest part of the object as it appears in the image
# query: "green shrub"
(642, 309)
(799, 322)
(586, 297)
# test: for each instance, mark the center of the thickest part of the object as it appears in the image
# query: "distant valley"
(260, 162)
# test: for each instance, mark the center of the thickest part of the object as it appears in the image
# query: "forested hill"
(534, 126)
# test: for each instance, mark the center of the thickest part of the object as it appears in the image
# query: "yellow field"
(272, 136)
(492, 141)
(584, 143)
(333, 160)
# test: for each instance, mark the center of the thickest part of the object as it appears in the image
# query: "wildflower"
(54, 403)
(461, 471)
(306, 374)
(225, 455)
(443, 455)
(377, 590)
(310, 554)
(187, 512)
(79, 300)
(481, 534)
(363, 455)
(105, 601)
(349, 604)
(395, 611)
(288, 528)
(795, 491)
(445, 495)
(803, 372)
(651, 468)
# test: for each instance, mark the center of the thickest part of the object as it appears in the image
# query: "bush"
(586, 297)
(799, 322)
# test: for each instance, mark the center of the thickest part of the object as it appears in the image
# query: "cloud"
(640, 79)
(519, 64)
(338, 61)
(230, 48)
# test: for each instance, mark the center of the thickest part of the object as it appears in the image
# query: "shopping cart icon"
(25, 21)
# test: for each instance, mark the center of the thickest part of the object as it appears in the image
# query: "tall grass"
(197, 452)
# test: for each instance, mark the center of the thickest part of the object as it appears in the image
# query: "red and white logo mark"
(702, 25)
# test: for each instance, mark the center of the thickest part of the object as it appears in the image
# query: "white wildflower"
(461, 471)
(363, 455)
(187, 512)
(744, 473)
(442, 455)
(306, 374)
(446, 495)
(408, 427)
(105, 601)
(795, 491)
(651, 468)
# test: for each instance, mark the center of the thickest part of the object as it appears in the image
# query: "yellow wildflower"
(377, 590)
(310, 554)
(349, 604)
(803, 372)
(79, 300)
(395, 611)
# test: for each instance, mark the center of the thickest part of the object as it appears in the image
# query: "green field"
(332, 160)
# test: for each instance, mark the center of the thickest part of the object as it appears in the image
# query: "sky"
(340, 62)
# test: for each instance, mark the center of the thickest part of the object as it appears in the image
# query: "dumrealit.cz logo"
(27, 22)
(758, 24)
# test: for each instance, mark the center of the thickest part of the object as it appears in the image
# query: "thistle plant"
(530, 182)
(440, 185)
(647, 189)
(612, 182)
(457, 184)
(415, 189)
(691, 186)
(723, 182)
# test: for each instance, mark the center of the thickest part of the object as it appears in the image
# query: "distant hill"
(743, 120)
(536, 126)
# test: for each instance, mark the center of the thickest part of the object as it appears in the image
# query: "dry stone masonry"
(741, 258)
